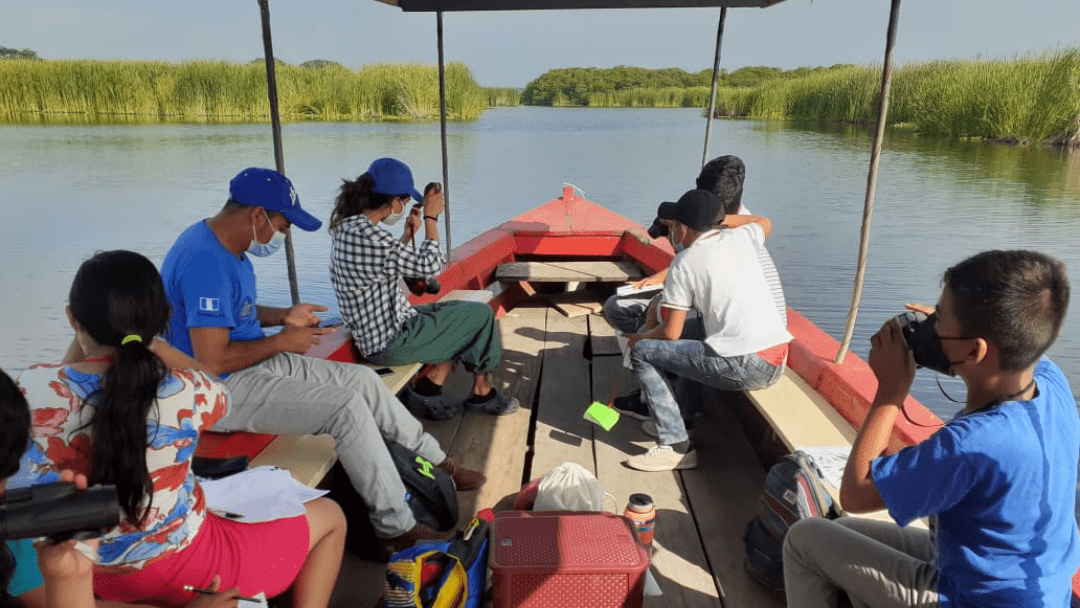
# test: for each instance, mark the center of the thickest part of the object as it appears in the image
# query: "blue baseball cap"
(272, 191)
(393, 177)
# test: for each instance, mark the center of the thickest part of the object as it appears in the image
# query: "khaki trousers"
(877, 564)
(291, 394)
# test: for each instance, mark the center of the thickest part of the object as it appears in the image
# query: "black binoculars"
(421, 285)
(658, 229)
(58, 512)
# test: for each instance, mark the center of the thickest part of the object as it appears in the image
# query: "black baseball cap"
(699, 210)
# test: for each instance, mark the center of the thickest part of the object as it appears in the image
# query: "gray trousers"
(292, 394)
(877, 563)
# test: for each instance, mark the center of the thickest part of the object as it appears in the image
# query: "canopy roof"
(533, 5)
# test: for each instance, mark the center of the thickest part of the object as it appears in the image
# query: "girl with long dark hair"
(121, 417)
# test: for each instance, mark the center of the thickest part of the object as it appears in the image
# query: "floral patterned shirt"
(62, 402)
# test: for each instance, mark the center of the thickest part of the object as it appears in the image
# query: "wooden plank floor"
(701, 513)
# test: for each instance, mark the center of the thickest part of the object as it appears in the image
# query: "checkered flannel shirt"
(366, 267)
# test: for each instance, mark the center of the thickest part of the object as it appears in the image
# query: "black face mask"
(925, 343)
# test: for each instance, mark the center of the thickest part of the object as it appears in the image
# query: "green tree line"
(617, 86)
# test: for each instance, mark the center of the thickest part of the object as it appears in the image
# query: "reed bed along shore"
(1033, 98)
(218, 90)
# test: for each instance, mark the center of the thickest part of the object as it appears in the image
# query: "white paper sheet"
(260, 604)
(623, 341)
(831, 459)
(629, 290)
(259, 494)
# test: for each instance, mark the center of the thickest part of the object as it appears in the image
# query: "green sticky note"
(601, 415)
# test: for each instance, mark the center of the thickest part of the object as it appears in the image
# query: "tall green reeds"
(663, 97)
(503, 96)
(1033, 98)
(216, 90)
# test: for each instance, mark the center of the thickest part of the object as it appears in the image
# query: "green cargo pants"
(446, 331)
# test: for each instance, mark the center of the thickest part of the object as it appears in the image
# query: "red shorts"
(254, 557)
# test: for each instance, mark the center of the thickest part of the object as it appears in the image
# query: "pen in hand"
(212, 592)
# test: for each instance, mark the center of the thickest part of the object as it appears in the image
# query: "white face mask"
(676, 245)
(263, 250)
(394, 218)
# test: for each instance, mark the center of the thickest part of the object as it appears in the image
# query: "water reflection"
(70, 190)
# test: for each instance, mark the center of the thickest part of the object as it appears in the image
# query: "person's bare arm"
(35, 598)
(734, 221)
(670, 329)
(300, 315)
(891, 363)
(653, 279)
(177, 359)
(220, 355)
(270, 316)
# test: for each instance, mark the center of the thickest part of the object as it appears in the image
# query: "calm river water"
(70, 190)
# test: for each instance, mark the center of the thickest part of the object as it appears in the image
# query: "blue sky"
(510, 49)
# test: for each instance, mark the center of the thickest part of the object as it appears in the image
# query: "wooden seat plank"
(497, 445)
(468, 295)
(308, 457)
(561, 434)
(802, 417)
(559, 272)
(576, 303)
(723, 494)
(678, 562)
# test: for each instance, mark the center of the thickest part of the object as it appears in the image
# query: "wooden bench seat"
(569, 272)
(802, 417)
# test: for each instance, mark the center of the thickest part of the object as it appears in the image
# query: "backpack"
(429, 491)
(430, 495)
(793, 491)
(447, 574)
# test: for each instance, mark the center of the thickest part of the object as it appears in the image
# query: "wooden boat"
(560, 355)
(557, 364)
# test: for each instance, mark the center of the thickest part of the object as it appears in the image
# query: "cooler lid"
(564, 540)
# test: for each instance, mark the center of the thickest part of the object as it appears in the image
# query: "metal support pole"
(871, 180)
(275, 127)
(442, 126)
(715, 77)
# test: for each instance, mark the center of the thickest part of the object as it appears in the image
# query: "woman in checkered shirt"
(367, 266)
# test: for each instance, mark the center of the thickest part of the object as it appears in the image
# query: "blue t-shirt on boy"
(1001, 483)
(208, 286)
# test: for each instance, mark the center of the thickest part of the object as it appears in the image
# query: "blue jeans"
(692, 360)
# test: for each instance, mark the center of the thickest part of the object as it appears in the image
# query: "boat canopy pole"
(871, 179)
(715, 77)
(442, 129)
(275, 127)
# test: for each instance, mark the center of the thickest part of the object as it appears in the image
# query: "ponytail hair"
(355, 196)
(14, 436)
(118, 298)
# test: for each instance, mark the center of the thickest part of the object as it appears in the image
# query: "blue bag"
(793, 491)
(447, 574)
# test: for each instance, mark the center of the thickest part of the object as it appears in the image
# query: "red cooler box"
(559, 559)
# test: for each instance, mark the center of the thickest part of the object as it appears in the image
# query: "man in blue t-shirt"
(273, 388)
(997, 482)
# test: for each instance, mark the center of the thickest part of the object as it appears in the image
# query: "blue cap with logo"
(393, 177)
(272, 191)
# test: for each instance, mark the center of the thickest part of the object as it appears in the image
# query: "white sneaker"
(649, 428)
(663, 458)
